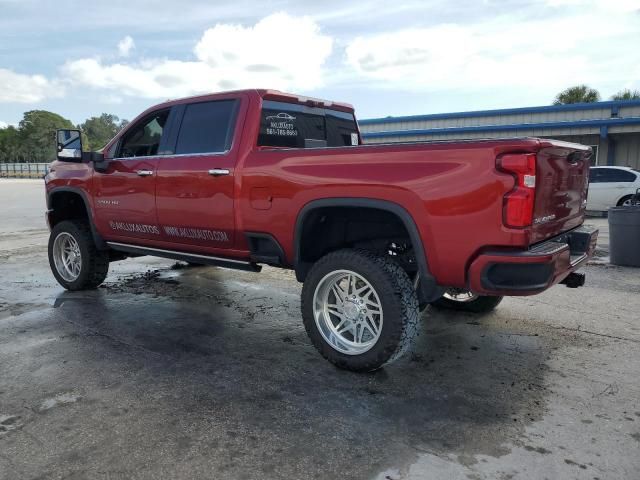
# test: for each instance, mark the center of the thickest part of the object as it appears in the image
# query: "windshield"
(298, 126)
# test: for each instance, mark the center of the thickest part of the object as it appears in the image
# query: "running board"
(186, 257)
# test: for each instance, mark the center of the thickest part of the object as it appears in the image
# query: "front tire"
(359, 309)
(75, 261)
(465, 301)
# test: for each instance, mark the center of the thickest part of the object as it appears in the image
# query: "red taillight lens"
(518, 203)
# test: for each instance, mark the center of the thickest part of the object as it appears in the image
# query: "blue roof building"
(612, 128)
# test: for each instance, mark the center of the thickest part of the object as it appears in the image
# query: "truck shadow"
(236, 384)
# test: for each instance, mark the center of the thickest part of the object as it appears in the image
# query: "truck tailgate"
(562, 181)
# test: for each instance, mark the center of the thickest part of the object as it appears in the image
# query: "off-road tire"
(399, 306)
(481, 304)
(95, 263)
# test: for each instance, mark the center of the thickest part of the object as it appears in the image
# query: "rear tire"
(472, 303)
(359, 309)
(75, 261)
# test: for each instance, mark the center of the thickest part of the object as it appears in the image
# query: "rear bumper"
(517, 272)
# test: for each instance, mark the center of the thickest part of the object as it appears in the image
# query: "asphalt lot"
(207, 373)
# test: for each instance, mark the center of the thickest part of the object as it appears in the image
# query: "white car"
(611, 187)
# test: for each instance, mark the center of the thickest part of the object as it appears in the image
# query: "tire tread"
(402, 289)
(97, 261)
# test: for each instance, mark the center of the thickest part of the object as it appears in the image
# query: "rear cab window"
(291, 125)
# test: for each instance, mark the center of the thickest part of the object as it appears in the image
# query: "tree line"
(586, 94)
(33, 140)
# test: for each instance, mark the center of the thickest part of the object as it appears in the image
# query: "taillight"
(518, 203)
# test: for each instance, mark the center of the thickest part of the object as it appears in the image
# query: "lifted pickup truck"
(375, 232)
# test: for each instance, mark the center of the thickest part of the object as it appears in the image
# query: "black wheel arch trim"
(97, 238)
(428, 289)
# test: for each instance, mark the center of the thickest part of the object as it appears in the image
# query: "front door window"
(143, 140)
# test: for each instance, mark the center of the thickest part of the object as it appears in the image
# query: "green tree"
(627, 94)
(37, 134)
(99, 130)
(34, 139)
(10, 145)
(577, 94)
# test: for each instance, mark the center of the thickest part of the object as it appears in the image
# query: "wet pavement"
(202, 372)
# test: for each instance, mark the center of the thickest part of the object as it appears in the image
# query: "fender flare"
(97, 238)
(428, 289)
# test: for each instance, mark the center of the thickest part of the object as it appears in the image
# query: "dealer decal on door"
(134, 227)
(196, 233)
(176, 232)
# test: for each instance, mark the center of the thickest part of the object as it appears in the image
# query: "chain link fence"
(23, 170)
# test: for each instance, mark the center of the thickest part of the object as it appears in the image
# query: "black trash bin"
(624, 236)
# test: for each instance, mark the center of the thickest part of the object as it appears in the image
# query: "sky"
(386, 57)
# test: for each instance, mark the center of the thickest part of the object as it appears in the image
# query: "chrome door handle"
(144, 173)
(217, 172)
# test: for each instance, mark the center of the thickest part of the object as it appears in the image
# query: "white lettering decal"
(178, 232)
(282, 125)
(134, 227)
(196, 234)
(282, 129)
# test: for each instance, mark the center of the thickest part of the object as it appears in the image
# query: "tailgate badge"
(539, 220)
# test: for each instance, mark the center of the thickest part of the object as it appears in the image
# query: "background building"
(612, 128)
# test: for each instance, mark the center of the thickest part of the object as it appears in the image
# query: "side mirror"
(69, 145)
(100, 164)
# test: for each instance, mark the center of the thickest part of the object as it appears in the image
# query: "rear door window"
(624, 176)
(299, 126)
(613, 175)
(207, 127)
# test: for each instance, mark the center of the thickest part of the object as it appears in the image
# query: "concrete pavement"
(172, 372)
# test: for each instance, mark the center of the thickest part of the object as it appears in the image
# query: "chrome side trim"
(176, 252)
(166, 155)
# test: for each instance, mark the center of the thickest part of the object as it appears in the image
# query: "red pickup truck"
(375, 232)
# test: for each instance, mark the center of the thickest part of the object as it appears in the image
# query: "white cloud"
(280, 51)
(20, 88)
(598, 46)
(150, 79)
(617, 5)
(278, 48)
(3, 124)
(111, 99)
(125, 46)
(495, 51)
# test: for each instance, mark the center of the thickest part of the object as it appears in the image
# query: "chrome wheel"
(67, 257)
(459, 295)
(348, 312)
(627, 203)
